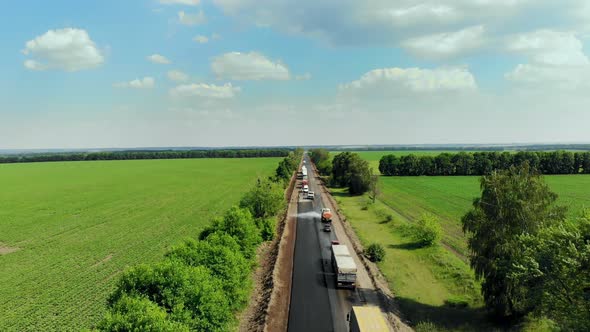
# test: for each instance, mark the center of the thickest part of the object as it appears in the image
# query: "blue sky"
(83, 74)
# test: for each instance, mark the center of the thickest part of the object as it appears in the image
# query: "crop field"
(68, 229)
(450, 197)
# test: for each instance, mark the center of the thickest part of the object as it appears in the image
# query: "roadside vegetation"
(202, 283)
(417, 220)
(73, 227)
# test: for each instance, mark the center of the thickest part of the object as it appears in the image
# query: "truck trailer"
(365, 319)
(344, 266)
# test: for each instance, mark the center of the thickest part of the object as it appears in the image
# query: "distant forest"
(481, 163)
(136, 154)
(466, 148)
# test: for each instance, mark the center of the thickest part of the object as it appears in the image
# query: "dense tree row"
(130, 155)
(482, 163)
(532, 261)
(347, 169)
(202, 283)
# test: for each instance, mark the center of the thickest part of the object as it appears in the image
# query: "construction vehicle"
(365, 319)
(326, 215)
(344, 266)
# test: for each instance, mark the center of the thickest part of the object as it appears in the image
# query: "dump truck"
(365, 319)
(344, 266)
(326, 215)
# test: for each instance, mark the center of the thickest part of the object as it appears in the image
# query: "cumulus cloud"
(177, 76)
(226, 91)
(248, 66)
(159, 59)
(145, 83)
(67, 49)
(408, 82)
(446, 45)
(192, 19)
(180, 2)
(201, 39)
(556, 59)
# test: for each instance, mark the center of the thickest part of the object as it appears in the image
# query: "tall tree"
(512, 202)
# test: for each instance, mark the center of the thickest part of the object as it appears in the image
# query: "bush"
(189, 294)
(375, 252)
(456, 302)
(229, 266)
(264, 200)
(267, 227)
(427, 230)
(239, 223)
(138, 314)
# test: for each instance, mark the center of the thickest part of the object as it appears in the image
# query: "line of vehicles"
(360, 318)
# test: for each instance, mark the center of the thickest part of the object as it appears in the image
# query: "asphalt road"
(316, 304)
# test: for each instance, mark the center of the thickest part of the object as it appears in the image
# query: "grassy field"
(450, 197)
(76, 225)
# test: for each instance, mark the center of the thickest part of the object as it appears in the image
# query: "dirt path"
(371, 284)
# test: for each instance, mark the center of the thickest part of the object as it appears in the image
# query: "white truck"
(365, 319)
(344, 266)
(304, 172)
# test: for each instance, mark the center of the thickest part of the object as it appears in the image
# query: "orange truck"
(326, 215)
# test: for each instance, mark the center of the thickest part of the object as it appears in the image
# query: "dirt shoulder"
(272, 278)
(371, 284)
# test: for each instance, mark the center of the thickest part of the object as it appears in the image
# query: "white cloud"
(145, 83)
(248, 66)
(177, 76)
(303, 77)
(180, 2)
(549, 47)
(448, 44)
(556, 60)
(66, 49)
(192, 19)
(159, 59)
(226, 91)
(385, 22)
(201, 39)
(403, 82)
(215, 36)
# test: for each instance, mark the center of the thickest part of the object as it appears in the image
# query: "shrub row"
(131, 155)
(201, 283)
(482, 163)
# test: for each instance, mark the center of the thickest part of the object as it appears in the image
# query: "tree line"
(532, 260)
(132, 155)
(483, 163)
(204, 281)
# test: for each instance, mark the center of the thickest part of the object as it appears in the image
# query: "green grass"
(79, 224)
(450, 197)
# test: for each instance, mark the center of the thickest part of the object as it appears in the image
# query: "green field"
(76, 225)
(450, 197)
